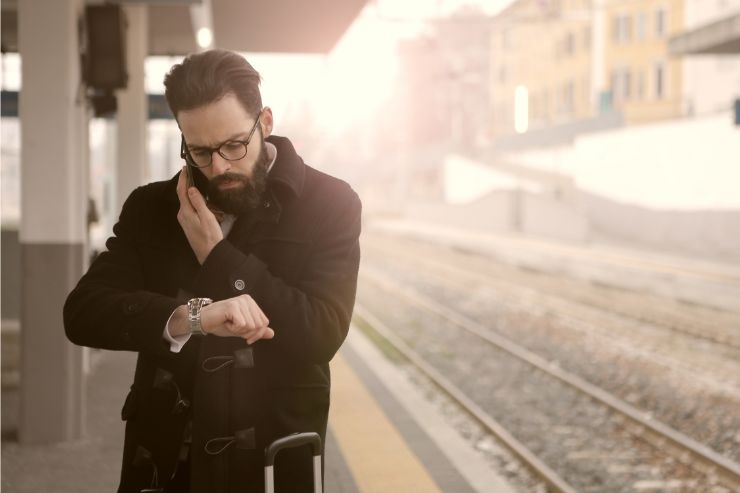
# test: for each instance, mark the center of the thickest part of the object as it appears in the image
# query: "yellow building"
(644, 81)
(575, 59)
(543, 47)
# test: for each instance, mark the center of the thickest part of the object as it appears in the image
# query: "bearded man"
(235, 292)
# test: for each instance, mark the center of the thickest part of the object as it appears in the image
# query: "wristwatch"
(194, 307)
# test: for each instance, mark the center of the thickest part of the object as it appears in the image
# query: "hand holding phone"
(198, 222)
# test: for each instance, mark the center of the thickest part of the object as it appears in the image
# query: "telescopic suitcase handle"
(291, 441)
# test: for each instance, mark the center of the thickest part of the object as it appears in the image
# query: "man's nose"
(219, 164)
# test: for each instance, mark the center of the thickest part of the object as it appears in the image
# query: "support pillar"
(132, 153)
(54, 192)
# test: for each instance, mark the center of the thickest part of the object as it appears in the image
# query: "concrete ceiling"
(279, 26)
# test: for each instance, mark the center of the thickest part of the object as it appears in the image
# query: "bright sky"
(350, 82)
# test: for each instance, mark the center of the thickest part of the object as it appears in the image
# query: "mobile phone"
(189, 173)
(197, 179)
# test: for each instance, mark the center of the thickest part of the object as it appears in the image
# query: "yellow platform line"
(377, 455)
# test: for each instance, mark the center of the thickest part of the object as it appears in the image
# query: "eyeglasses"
(231, 150)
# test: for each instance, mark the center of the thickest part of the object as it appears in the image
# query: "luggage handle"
(292, 441)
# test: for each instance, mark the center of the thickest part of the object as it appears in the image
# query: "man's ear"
(266, 121)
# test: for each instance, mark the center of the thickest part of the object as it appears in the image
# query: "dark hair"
(206, 77)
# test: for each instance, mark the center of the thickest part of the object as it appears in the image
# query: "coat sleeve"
(311, 316)
(109, 309)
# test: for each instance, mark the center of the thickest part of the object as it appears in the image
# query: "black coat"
(297, 256)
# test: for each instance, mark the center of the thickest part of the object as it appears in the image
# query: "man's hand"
(236, 317)
(196, 219)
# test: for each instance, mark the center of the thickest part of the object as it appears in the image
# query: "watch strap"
(194, 308)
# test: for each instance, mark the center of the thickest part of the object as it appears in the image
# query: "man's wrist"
(179, 325)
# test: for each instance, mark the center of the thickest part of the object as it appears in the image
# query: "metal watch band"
(194, 307)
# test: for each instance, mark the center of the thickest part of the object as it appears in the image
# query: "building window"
(569, 47)
(622, 26)
(660, 87)
(641, 26)
(616, 29)
(627, 84)
(587, 37)
(567, 92)
(661, 20)
(621, 84)
(640, 90)
(614, 85)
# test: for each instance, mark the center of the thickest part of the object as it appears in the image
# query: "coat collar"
(288, 174)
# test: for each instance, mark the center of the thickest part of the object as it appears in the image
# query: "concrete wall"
(708, 234)
(671, 185)
(679, 165)
(508, 211)
(545, 216)
(494, 212)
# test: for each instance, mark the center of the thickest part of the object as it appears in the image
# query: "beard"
(247, 195)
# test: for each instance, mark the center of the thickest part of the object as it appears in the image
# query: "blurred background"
(594, 141)
(578, 120)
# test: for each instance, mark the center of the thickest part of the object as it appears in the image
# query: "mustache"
(229, 176)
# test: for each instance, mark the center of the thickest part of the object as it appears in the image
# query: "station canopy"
(277, 26)
(721, 37)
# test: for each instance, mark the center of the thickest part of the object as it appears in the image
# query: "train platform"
(705, 281)
(383, 435)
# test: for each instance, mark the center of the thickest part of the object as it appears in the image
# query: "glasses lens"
(201, 158)
(233, 150)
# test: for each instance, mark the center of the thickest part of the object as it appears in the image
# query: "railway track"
(452, 280)
(703, 323)
(701, 283)
(678, 455)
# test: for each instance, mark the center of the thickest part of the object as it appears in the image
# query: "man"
(263, 260)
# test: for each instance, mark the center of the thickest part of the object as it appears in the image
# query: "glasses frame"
(185, 152)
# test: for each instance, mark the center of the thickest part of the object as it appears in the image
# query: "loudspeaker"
(104, 48)
(104, 103)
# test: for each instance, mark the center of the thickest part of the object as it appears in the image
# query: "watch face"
(195, 304)
(194, 307)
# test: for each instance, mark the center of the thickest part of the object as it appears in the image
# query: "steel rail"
(685, 449)
(542, 470)
(686, 326)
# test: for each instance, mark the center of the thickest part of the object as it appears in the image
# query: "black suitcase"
(294, 440)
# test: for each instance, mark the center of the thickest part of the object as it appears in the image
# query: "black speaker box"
(104, 51)
(104, 104)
